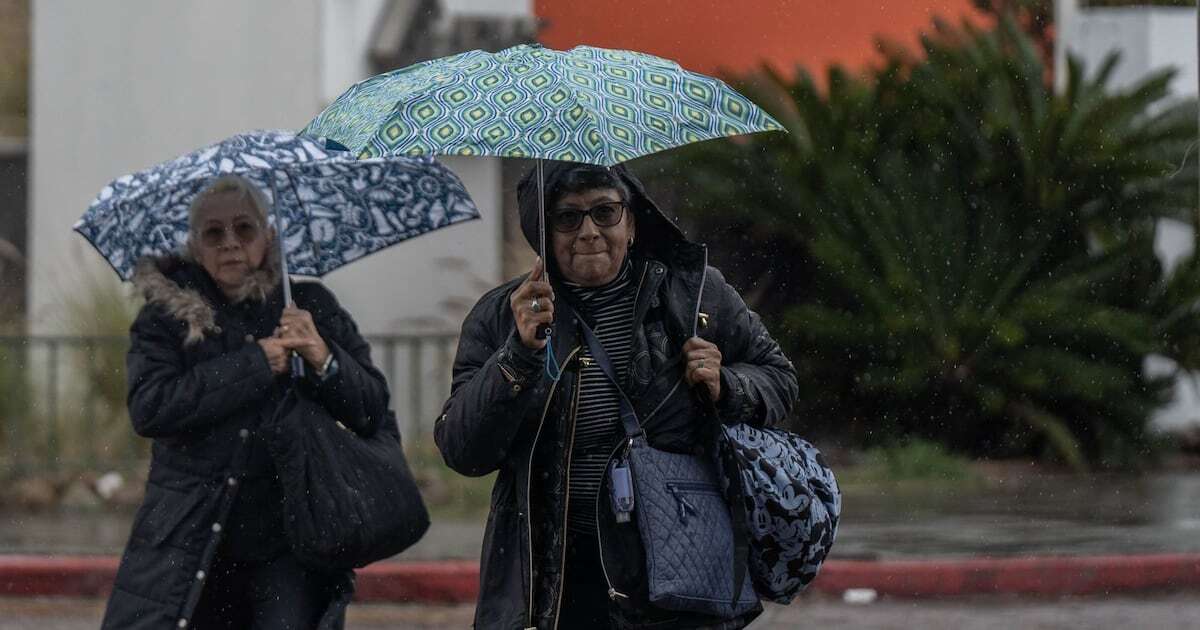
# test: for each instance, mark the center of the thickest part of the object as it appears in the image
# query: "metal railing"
(62, 398)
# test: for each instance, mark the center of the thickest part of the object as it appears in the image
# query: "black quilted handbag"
(684, 522)
(347, 500)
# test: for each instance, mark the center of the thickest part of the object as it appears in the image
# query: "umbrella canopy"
(331, 208)
(587, 104)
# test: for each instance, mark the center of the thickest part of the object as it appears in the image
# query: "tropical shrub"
(951, 251)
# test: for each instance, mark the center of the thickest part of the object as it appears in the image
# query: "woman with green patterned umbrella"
(538, 408)
(684, 347)
(591, 105)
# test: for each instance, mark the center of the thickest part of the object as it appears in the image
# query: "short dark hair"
(582, 177)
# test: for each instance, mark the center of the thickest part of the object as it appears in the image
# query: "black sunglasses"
(605, 214)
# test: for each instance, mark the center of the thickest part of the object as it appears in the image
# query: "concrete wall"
(118, 86)
(421, 285)
(429, 283)
(346, 30)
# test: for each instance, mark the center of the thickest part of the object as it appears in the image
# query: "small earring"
(631, 241)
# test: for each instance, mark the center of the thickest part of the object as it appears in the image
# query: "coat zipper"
(562, 566)
(567, 496)
(641, 283)
(529, 488)
(626, 443)
(613, 593)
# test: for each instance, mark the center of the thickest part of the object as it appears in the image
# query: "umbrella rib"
(575, 91)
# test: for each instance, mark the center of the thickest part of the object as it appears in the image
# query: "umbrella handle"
(297, 362)
(297, 365)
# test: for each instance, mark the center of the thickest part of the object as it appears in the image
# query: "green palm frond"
(953, 251)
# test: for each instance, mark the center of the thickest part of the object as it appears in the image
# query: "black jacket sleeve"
(495, 376)
(167, 398)
(758, 382)
(357, 393)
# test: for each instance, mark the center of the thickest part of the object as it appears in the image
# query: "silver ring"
(535, 306)
(701, 366)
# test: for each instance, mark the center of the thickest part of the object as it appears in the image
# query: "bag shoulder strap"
(629, 420)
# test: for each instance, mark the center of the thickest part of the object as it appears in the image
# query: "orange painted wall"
(714, 35)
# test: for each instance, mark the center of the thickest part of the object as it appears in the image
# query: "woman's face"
(591, 255)
(228, 240)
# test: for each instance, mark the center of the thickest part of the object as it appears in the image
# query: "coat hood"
(657, 236)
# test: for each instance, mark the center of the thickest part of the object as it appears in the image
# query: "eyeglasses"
(605, 214)
(243, 230)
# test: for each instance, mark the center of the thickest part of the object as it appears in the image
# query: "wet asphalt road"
(1176, 611)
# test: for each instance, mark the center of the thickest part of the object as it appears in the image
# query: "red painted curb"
(64, 576)
(445, 582)
(458, 581)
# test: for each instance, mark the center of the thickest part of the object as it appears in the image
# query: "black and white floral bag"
(790, 502)
(784, 500)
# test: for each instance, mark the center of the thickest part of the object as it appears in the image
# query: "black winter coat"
(200, 386)
(505, 415)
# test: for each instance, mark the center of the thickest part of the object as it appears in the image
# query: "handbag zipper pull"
(682, 503)
(614, 594)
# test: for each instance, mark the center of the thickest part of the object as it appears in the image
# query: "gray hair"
(242, 188)
(263, 281)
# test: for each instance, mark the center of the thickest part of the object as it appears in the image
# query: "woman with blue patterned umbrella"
(208, 363)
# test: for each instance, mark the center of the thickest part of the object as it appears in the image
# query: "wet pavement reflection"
(1015, 515)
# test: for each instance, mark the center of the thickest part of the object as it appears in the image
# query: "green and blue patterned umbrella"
(592, 105)
(587, 104)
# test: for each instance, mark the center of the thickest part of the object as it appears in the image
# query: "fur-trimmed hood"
(185, 291)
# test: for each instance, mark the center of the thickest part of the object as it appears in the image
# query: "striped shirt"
(597, 419)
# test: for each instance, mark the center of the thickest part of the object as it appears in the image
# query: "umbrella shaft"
(297, 362)
(542, 333)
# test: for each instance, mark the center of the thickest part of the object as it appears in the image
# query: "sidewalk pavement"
(1164, 612)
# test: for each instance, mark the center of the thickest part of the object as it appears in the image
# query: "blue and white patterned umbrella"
(333, 208)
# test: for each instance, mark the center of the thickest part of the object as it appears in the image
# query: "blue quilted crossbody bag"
(687, 532)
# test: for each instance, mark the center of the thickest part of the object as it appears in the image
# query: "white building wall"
(1149, 40)
(119, 86)
(1173, 43)
(492, 8)
(346, 30)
